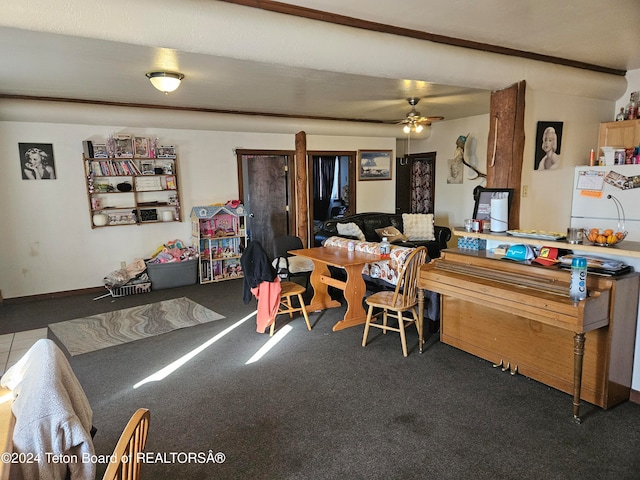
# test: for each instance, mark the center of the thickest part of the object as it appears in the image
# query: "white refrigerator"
(602, 196)
(591, 208)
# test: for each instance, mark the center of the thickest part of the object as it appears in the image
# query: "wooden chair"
(288, 265)
(131, 442)
(291, 289)
(395, 303)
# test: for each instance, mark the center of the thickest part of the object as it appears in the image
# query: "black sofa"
(370, 221)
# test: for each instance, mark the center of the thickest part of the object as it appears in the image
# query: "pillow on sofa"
(418, 226)
(350, 230)
(392, 233)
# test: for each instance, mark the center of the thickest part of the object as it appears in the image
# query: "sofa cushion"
(418, 226)
(350, 230)
(392, 233)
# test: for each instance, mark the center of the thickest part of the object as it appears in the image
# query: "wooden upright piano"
(520, 317)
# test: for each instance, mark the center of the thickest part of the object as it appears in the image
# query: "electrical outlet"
(525, 190)
(123, 264)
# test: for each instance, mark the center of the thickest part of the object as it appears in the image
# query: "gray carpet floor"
(320, 406)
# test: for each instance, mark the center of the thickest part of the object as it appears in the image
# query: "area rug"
(87, 334)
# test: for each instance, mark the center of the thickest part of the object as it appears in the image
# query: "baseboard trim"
(48, 296)
(634, 396)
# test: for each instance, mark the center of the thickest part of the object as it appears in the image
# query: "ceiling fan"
(414, 122)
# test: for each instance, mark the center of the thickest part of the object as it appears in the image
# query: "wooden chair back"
(406, 292)
(131, 442)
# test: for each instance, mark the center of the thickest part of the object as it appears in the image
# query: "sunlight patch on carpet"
(88, 334)
(173, 366)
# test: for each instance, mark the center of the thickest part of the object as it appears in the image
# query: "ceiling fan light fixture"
(166, 82)
(414, 121)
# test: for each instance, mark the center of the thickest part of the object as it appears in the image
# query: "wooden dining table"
(353, 287)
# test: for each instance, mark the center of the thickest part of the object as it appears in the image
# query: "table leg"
(354, 291)
(578, 358)
(321, 299)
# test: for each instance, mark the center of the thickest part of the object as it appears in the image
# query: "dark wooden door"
(266, 196)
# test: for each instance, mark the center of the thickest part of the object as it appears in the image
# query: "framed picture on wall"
(36, 160)
(548, 142)
(374, 164)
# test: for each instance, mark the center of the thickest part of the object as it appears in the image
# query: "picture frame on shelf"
(147, 167)
(483, 196)
(141, 147)
(100, 150)
(166, 151)
(123, 146)
(374, 164)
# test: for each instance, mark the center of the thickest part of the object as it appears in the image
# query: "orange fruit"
(608, 232)
(601, 239)
(594, 230)
(620, 235)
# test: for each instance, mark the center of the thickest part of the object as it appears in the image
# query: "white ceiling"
(46, 64)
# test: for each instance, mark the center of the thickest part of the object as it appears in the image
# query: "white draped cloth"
(53, 416)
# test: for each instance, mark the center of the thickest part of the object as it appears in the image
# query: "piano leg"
(421, 318)
(578, 357)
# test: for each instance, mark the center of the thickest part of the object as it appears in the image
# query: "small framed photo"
(374, 165)
(123, 146)
(166, 151)
(147, 168)
(100, 150)
(141, 147)
(483, 197)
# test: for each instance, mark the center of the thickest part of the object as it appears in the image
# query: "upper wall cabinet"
(619, 134)
(133, 188)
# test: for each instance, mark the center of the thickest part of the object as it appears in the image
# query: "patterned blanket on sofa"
(387, 269)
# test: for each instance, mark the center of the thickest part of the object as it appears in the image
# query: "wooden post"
(505, 147)
(301, 213)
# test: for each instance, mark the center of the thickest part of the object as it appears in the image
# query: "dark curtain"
(324, 169)
(421, 188)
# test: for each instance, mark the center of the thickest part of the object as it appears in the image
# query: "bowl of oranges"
(605, 238)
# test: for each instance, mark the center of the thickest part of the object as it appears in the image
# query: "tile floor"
(14, 345)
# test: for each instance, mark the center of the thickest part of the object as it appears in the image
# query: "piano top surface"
(535, 292)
